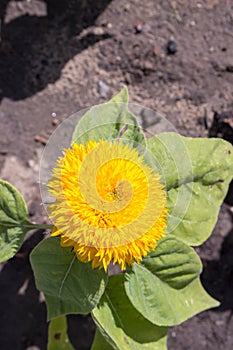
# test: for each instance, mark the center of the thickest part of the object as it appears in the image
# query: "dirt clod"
(171, 47)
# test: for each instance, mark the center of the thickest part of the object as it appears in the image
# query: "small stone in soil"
(103, 89)
(156, 51)
(171, 47)
(127, 7)
(98, 31)
(138, 28)
(40, 139)
(56, 122)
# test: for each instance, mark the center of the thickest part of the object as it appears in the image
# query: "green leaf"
(100, 343)
(57, 306)
(165, 153)
(160, 298)
(58, 338)
(108, 120)
(122, 96)
(123, 326)
(69, 285)
(13, 219)
(196, 173)
(173, 262)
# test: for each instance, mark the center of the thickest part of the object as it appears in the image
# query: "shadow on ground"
(34, 49)
(217, 276)
(23, 311)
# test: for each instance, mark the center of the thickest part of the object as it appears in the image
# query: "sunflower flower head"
(109, 205)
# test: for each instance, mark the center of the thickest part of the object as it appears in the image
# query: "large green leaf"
(165, 288)
(13, 219)
(122, 325)
(58, 339)
(107, 120)
(69, 285)
(173, 262)
(57, 306)
(196, 173)
(168, 154)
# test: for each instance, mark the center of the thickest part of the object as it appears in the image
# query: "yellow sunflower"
(109, 205)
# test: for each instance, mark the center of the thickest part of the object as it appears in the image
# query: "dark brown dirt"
(60, 56)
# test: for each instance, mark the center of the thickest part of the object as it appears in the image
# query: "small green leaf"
(163, 287)
(13, 220)
(173, 262)
(196, 173)
(69, 285)
(106, 121)
(58, 339)
(123, 326)
(100, 343)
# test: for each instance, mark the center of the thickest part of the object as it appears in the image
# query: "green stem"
(28, 225)
(40, 226)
